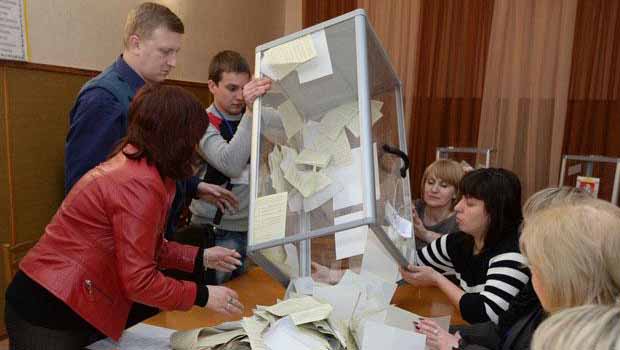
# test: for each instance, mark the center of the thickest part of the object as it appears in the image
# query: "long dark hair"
(500, 190)
(165, 125)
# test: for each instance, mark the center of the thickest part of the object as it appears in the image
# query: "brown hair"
(166, 123)
(227, 62)
(147, 17)
(445, 170)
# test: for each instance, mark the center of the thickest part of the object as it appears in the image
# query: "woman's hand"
(254, 89)
(224, 300)
(437, 338)
(421, 232)
(221, 259)
(222, 198)
(420, 276)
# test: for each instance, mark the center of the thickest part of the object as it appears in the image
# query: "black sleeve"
(202, 292)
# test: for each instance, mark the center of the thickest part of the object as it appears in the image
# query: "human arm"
(504, 279)
(97, 123)
(425, 276)
(421, 232)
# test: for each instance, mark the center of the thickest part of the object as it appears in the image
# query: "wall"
(87, 33)
(70, 42)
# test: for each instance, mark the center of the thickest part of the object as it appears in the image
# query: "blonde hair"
(146, 18)
(445, 170)
(566, 246)
(595, 327)
(553, 196)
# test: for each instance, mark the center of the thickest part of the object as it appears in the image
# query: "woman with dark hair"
(484, 254)
(103, 250)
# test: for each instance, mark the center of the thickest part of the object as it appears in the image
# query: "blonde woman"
(595, 327)
(433, 214)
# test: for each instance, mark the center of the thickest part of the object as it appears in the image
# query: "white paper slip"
(315, 139)
(294, 305)
(313, 158)
(350, 242)
(343, 298)
(284, 335)
(319, 66)
(351, 178)
(378, 261)
(321, 197)
(269, 218)
(139, 337)
(277, 176)
(281, 60)
(354, 123)
(334, 121)
(381, 336)
(291, 119)
(306, 182)
(403, 226)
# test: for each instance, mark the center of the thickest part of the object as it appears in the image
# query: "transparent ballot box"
(329, 180)
(598, 175)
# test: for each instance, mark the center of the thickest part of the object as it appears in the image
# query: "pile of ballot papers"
(353, 314)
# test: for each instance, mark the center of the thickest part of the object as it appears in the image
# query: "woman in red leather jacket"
(104, 248)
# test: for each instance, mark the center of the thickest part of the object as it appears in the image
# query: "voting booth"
(329, 174)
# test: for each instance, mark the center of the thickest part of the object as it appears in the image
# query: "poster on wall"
(13, 30)
(589, 184)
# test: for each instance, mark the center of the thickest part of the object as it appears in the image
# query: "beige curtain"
(397, 24)
(526, 87)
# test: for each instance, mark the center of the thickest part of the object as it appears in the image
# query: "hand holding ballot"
(254, 89)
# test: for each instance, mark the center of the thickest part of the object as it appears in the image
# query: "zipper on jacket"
(91, 288)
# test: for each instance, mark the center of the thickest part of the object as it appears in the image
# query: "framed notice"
(589, 184)
(13, 30)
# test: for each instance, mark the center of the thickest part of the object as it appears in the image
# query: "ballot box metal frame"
(450, 149)
(590, 160)
(363, 30)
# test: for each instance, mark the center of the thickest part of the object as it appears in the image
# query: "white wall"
(87, 33)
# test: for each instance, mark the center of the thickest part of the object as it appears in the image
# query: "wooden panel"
(39, 103)
(39, 100)
(317, 11)
(4, 168)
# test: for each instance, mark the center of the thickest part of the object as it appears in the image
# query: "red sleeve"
(138, 220)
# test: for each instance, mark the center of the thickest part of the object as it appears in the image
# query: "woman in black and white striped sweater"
(484, 254)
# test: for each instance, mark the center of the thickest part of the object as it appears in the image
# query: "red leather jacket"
(104, 247)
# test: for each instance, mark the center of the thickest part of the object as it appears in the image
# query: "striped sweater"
(490, 279)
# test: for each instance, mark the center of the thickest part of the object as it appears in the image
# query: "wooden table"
(256, 287)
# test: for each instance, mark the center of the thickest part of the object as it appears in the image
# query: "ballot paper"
(274, 159)
(313, 158)
(291, 119)
(350, 242)
(139, 337)
(375, 111)
(279, 61)
(254, 328)
(334, 121)
(319, 66)
(284, 335)
(401, 225)
(306, 182)
(377, 335)
(314, 138)
(321, 197)
(269, 218)
(203, 338)
(351, 178)
(293, 305)
(378, 261)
